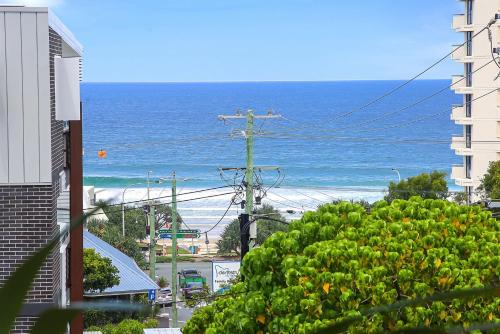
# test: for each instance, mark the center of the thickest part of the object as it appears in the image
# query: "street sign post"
(151, 295)
(181, 234)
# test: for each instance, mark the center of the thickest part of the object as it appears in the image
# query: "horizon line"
(253, 81)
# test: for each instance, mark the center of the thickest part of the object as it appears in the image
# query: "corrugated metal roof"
(132, 278)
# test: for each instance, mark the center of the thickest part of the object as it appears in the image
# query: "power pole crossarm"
(250, 117)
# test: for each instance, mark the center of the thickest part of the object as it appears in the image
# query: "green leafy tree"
(490, 184)
(99, 273)
(425, 185)
(230, 238)
(340, 261)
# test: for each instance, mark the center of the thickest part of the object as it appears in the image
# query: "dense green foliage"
(230, 238)
(339, 259)
(127, 326)
(490, 184)
(425, 185)
(99, 273)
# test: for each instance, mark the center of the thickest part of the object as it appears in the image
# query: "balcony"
(459, 23)
(458, 115)
(458, 85)
(458, 52)
(458, 174)
(459, 145)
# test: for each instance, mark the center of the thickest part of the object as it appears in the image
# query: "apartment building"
(479, 114)
(40, 153)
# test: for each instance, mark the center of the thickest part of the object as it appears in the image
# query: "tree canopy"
(490, 184)
(230, 238)
(340, 260)
(425, 185)
(99, 273)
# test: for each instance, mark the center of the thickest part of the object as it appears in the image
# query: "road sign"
(151, 295)
(181, 234)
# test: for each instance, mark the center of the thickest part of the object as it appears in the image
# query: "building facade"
(479, 113)
(39, 90)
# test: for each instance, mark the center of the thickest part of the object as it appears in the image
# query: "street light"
(397, 171)
(123, 205)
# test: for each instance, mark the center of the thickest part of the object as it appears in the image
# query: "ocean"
(325, 146)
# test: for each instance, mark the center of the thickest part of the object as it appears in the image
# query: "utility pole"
(249, 177)
(249, 171)
(174, 251)
(152, 236)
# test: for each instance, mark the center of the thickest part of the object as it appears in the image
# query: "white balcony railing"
(459, 145)
(457, 82)
(458, 22)
(458, 52)
(458, 174)
(458, 115)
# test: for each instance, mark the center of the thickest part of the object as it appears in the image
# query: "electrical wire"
(410, 106)
(399, 87)
(221, 218)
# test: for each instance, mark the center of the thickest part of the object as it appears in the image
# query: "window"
(468, 105)
(468, 166)
(468, 42)
(468, 136)
(469, 6)
(468, 74)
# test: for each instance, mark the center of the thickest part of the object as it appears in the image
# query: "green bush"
(168, 259)
(339, 259)
(126, 326)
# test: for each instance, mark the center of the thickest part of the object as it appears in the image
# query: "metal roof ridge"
(59, 27)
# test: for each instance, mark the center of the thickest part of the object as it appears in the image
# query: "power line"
(166, 203)
(221, 218)
(407, 82)
(412, 105)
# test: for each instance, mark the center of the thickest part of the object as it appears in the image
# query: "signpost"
(181, 234)
(222, 274)
(151, 295)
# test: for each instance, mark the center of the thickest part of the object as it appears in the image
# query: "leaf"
(17, 286)
(261, 319)
(326, 288)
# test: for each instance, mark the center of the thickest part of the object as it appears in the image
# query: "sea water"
(325, 146)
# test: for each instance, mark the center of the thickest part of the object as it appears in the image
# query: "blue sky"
(259, 40)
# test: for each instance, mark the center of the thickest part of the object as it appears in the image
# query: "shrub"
(336, 260)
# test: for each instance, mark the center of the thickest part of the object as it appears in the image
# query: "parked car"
(164, 297)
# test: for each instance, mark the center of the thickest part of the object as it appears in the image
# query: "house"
(478, 115)
(40, 155)
(132, 279)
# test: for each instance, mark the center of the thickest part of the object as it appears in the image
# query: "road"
(165, 269)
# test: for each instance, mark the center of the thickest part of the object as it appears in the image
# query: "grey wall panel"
(4, 143)
(14, 97)
(30, 97)
(44, 98)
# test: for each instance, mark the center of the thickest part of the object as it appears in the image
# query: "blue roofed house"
(132, 279)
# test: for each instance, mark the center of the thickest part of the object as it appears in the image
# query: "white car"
(164, 297)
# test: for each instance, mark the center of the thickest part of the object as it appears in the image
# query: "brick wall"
(28, 215)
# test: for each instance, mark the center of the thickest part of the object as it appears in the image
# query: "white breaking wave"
(204, 213)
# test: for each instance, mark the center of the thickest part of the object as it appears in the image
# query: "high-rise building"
(39, 113)
(479, 114)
